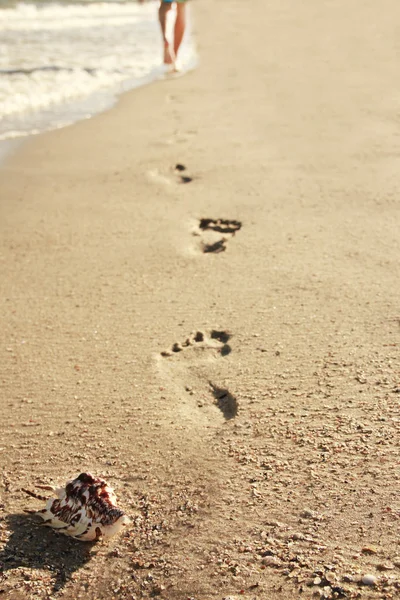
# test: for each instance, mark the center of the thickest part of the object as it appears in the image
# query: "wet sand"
(220, 342)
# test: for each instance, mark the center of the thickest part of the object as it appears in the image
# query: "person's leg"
(180, 25)
(162, 15)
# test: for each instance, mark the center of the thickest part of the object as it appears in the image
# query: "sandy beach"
(220, 343)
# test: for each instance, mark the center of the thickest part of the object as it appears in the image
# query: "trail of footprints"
(218, 342)
(214, 235)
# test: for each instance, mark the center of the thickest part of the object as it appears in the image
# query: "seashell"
(84, 509)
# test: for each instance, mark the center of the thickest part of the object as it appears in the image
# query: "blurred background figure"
(171, 49)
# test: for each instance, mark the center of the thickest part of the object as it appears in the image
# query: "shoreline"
(219, 342)
(58, 116)
(110, 99)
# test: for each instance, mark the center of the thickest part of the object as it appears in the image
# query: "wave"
(33, 17)
(53, 68)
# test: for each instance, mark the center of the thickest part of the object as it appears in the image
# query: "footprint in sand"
(164, 178)
(189, 360)
(215, 233)
(179, 169)
(198, 348)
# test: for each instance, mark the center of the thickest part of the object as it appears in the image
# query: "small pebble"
(396, 561)
(385, 567)
(369, 550)
(369, 580)
(271, 561)
(307, 514)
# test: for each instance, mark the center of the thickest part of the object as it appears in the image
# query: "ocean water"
(65, 61)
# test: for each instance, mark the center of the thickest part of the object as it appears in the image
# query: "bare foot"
(169, 58)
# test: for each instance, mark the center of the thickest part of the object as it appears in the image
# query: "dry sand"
(258, 459)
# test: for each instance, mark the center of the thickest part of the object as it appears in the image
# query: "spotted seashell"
(84, 509)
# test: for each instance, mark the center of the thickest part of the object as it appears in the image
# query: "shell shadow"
(37, 547)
